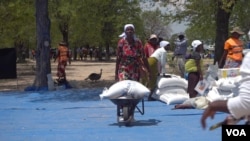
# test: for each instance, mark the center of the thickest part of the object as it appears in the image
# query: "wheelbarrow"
(125, 108)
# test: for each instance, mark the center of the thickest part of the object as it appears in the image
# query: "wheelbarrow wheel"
(125, 112)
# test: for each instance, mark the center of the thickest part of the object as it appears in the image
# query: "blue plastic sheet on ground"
(79, 114)
(34, 88)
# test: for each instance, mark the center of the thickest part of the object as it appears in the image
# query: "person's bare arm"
(224, 55)
(213, 107)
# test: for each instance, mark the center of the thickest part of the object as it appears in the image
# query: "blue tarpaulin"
(80, 115)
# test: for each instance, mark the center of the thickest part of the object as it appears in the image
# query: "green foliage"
(240, 15)
(18, 22)
(156, 23)
(93, 22)
(100, 22)
(201, 16)
(83, 21)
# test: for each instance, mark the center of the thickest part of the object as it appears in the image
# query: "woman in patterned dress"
(130, 59)
(130, 56)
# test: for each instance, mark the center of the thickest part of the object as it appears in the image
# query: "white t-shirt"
(239, 106)
(161, 55)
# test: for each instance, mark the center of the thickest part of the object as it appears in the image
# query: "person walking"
(233, 50)
(62, 57)
(193, 67)
(180, 52)
(130, 57)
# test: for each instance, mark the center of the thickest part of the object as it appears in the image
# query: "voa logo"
(236, 132)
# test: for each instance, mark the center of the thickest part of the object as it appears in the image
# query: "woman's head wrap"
(125, 27)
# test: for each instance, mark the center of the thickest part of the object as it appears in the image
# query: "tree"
(210, 20)
(62, 13)
(43, 66)
(222, 26)
(154, 22)
(102, 21)
(15, 30)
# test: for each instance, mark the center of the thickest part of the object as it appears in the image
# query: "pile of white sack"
(171, 89)
(224, 88)
(125, 88)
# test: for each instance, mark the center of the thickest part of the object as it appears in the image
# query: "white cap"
(152, 36)
(195, 44)
(164, 43)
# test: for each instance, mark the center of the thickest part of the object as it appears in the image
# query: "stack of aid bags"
(171, 89)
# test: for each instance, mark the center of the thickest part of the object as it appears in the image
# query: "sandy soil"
(76, 73)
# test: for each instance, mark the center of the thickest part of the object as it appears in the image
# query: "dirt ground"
(76, 72)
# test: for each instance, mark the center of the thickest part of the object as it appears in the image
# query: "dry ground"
(76, 73)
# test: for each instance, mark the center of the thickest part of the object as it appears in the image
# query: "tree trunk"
(107, 53)
(64, 28)
(43, 66)
(222, 26)
(21, 50)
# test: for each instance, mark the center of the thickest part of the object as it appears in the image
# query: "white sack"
(171, 99)
(214, 95)
(125, 87)
(173, 81)
(228, 83)
(171, 89)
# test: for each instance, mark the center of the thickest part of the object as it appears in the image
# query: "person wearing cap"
(151, 45)
(158, 57)
(233, 50)
(180, 53)
(149, 48)
(193, 67)
(62, 57)
(238, 106)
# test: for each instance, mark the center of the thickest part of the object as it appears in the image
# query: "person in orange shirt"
(62, 56)
(233, 50)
